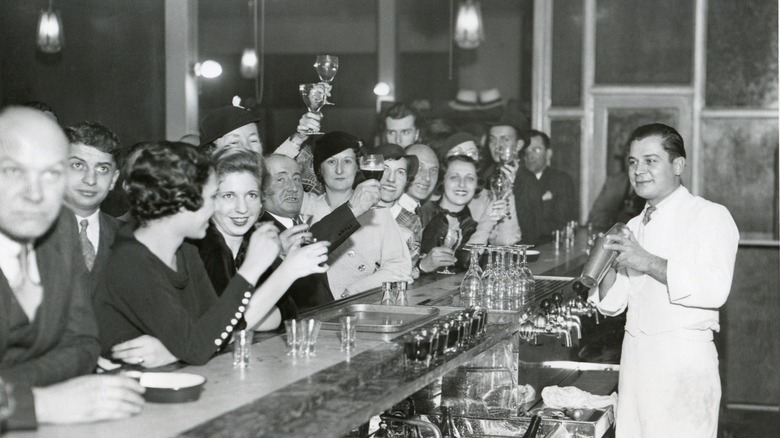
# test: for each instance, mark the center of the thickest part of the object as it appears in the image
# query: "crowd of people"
(226, 235)
(217, 237)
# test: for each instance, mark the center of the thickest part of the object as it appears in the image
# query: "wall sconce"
(382, 89)
(208, 69)
(50, 38)
(249, 64)
(469, 28)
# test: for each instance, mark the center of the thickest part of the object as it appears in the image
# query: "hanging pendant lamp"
(469, 27)
(50, 38)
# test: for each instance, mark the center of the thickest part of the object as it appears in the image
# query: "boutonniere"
(547, 196)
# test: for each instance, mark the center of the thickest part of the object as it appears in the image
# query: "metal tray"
(379, 318)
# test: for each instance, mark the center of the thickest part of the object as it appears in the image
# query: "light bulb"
(382, 89)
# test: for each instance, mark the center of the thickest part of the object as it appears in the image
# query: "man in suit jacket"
(283, 199)
(48, 333)
(559, 200)
(92, 173)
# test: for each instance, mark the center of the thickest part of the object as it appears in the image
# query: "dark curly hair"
(439, 190)
(166, 177)
(95, 135)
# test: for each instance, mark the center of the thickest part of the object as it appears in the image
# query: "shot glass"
(241, 348)
(312, 331)
(348, 332)
(292, 327)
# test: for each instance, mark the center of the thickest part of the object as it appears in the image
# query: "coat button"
(362, 268)
(351, 253)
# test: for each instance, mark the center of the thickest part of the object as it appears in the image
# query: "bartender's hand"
(438, 257)
(292, 237)
(633, 255)
(146, 351)
(261, 252)
(88, 398)
(365, 196)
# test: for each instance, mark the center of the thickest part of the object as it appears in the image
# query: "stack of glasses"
(506, 283)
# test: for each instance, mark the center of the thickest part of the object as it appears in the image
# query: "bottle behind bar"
(533, 428)
(448, 428)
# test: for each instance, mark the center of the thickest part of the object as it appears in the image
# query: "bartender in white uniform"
(672, 275)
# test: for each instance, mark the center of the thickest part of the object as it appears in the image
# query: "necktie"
(87, 250)
(296, 220)
(648, 212)
(28, 293)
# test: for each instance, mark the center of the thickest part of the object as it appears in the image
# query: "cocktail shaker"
(601, 259)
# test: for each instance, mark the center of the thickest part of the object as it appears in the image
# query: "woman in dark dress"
(156, 283)
(459, 184)
(237, 208)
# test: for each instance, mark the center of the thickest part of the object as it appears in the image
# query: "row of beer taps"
(553, 317)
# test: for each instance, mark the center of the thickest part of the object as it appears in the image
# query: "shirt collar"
(286, 221)
(670, 201)
(9, 247)
(91, 218)
(408, 203)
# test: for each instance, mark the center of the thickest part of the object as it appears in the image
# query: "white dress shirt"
(9, 261)
(699, 240)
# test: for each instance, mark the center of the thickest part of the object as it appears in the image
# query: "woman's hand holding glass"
(439, 257)
(262, 251)
(294, 237)
(307, 260)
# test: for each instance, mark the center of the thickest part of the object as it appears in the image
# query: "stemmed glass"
(488, 277)
(450, 240)
(529, 276)
(327, 66)
(372, 166)
(471, 286)
(314, 96)
(305, 218)
(501, 281)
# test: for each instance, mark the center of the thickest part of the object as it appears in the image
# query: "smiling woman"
(156, 282)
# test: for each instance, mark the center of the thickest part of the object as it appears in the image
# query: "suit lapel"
(5, 306)
(108, 229)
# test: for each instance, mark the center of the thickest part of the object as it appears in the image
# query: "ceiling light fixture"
(50, 38)
(469, 27)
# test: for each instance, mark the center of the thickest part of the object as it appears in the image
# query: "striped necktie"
(87, 250)
(648, 212)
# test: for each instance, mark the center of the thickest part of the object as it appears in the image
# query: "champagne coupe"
(314, 96)
(327, 66)
(372, 166)
(450, 240)
(305, 218)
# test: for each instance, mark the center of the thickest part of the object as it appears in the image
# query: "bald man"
(48, 334)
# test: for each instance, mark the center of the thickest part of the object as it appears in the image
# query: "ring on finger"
(140, 361)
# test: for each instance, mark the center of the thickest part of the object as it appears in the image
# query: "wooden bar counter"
(323, 396)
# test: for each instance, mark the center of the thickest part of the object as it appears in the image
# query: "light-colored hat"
(465, 100)
(490, 98)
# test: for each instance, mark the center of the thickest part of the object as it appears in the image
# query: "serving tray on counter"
(377, 318)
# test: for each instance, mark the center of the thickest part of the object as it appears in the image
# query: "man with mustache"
(283, 197)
